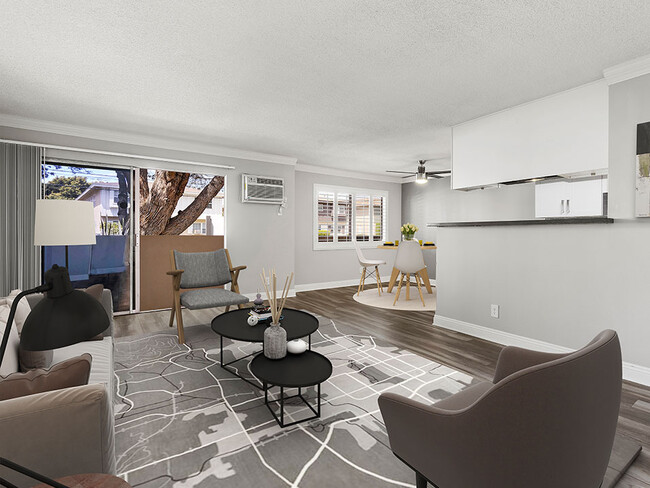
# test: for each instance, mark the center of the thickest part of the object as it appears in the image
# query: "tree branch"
(184, 219)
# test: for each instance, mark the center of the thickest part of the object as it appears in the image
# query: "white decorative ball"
(252, 320)
(296, 346)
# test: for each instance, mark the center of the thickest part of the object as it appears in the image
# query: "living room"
(346, 107)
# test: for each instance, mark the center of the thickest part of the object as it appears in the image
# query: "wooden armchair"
(200, 273)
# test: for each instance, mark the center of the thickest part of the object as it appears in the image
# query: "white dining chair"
(368, 263)
(409, 261)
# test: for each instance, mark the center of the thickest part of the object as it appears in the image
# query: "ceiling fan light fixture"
(421, 178)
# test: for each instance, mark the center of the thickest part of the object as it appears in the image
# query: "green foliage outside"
(66, 187)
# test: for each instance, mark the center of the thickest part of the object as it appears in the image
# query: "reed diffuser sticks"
(276, 304)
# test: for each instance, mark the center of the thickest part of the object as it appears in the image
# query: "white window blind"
(342, 215)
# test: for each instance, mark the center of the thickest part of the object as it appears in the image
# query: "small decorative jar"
(275, 342)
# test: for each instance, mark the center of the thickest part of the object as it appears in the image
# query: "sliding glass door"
(108, 262)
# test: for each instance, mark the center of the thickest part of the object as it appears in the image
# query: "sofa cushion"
(22, 310)
(34, 359)
(10, 361)
(96, 292)
(102, 365)
(73, 372)
(211, 297)
(27, 360)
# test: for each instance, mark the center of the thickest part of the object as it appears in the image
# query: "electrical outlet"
(268, 280)
(494, 311)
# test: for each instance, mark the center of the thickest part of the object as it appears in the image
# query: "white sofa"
(68, 431)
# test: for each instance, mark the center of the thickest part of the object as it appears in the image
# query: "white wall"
(563, 133)
(340, 265)
(255, 235)
(436, 202)
(562, 284)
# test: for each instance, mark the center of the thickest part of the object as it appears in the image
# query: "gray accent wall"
(562, 284)
(313, 267)
(436, 202)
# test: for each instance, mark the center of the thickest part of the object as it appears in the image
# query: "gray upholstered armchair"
(545, 420)
(200, 273)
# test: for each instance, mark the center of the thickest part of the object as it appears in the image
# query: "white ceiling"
(365, 85)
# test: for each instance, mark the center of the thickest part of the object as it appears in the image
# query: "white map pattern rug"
(182, 421)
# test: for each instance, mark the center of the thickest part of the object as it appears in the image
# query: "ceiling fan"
(422, 175)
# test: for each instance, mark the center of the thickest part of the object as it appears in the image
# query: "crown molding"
(324, 170)
(628, 70)
(175, 144)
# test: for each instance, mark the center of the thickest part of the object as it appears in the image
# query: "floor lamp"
(64, 316)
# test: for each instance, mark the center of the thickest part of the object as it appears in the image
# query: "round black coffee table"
(293, 371)
(233, 325)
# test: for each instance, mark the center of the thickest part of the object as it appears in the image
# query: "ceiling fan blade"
(403, 172)
(442, 172)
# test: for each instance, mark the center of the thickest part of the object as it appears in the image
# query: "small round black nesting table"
(293, 371)
(233, 325)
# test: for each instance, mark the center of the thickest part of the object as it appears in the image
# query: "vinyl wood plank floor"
(414, 331)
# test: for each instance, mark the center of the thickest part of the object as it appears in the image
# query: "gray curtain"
(20, 182)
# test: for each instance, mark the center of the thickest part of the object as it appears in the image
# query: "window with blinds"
(342, 215)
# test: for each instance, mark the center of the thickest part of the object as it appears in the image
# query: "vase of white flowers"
(408, 231)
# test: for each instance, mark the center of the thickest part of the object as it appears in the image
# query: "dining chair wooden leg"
(393, 279)
(424, 274)
(408, 287)
(399, 288)
(379, 287)
(361, 280)
(417, 280)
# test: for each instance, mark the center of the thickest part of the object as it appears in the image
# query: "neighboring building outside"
(104, 196)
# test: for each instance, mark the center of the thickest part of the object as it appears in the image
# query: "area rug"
(385, 300)
(182, 421)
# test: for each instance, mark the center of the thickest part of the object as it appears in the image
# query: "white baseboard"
(252, 296)
(324, 285)
(631, 372)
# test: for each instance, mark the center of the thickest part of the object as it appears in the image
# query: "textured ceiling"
(365, 85)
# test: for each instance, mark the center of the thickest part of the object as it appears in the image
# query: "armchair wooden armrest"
(176, 278)
(234, 273)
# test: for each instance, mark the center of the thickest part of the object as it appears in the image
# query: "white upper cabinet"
(570, 198)
(561, 134)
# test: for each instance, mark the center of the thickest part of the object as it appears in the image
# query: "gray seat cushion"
(211, 297)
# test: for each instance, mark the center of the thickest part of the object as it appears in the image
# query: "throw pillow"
(27, 359)
(96, 292)
(10, 361)
(72, 372)
(22, 311)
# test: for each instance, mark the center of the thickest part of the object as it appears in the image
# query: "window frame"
(371, 193)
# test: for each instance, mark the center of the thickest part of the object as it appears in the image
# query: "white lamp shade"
(64, 223)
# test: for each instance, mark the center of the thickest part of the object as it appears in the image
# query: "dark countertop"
(549, 221)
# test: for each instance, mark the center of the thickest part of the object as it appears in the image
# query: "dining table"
(422, 273)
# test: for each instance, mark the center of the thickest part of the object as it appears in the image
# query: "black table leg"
(232, 370)
(318, 414)
(281, 406)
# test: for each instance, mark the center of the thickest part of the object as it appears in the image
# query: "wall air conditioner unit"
(262, 189)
